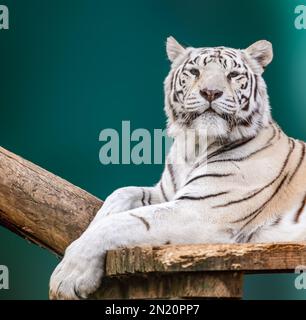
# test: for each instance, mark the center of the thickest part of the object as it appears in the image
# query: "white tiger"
(248, 185)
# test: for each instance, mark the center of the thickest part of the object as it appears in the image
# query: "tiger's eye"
(232, 75)
(195, 72)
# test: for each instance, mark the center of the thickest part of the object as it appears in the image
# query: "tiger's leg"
(81, 269)
(128, 198)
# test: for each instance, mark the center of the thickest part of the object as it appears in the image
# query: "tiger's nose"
(211, 95)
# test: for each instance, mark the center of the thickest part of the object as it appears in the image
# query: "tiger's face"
(220, 90)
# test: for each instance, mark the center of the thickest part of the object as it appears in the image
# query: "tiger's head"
(219, 90)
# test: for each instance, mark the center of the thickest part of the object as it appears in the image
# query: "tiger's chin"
(212, 125)
(208, 124)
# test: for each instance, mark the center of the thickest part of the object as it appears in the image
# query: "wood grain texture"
(207, 257)
(41, 206)
(173, 285)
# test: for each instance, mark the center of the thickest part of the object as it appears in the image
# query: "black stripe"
(231, 55)
(172, 80)
(273, 135)
(175, 78)
(180, 82)
(224, 63)
(276, 222)
(262, 189)
(246, 107)
(170, 169)
(229, 147)
(255, 213)
(174, 113)
(143, 197)
(243, 238)
(240, 77)
(195, 60)
(242, 158)
(177, 74)
(240, 238)
(203, 197)
(232, 51)
(213, 175)
(247, 122)
(300, 162)
(185, 63)
(300, 210)
(163, 191)
(256, 87)
(143, 220)
(149, 199)
(77, 293)
(251, 235)
(185, 147)
(174, 97)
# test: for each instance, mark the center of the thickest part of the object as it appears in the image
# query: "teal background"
(70, 68)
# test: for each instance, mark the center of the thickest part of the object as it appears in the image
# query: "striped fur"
(246, 185)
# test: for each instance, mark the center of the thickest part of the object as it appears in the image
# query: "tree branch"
(41, 206)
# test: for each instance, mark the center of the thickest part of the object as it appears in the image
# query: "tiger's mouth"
(208, 113)
(210, 110)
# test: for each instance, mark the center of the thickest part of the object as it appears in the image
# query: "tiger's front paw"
(78, 275)
(122, 200)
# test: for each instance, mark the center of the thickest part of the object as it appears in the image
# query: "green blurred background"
(70, 68)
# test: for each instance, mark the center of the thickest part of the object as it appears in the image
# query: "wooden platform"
(193, 271)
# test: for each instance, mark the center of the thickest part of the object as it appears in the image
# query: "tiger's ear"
(261, 51)
(174, 49)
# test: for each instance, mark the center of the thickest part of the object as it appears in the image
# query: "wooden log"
(40, 206)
